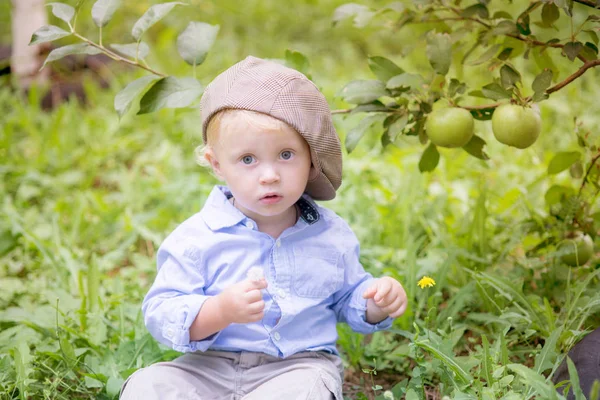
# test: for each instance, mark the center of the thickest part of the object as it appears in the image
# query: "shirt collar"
(219, 213)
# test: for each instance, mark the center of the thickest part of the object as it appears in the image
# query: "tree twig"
(117, 57)
(589, 3)
(552, 89)
(596, 157)
(575, 75)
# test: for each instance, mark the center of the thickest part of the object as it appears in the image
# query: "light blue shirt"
(313, 271)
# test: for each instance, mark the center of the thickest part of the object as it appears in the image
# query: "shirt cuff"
(357, 316)
(179, 333)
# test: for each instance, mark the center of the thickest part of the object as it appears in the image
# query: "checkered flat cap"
(286, 94)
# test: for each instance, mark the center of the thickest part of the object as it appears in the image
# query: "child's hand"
(388, 299)
(242, 303)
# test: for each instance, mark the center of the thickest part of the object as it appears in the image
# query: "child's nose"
(269, 175)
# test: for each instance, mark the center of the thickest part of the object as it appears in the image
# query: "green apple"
(516, 126)
(576, 251)
(450, 127)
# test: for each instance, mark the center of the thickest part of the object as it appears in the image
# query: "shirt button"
(281, 293)
(277, 336)
(170, 332)
(278, 243)
(250, 225)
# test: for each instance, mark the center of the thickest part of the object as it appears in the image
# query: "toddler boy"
(251, 287)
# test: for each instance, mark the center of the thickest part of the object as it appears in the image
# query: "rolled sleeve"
(356, 316)
(176, 297)
(349, 305)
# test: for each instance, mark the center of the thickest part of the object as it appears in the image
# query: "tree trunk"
(27, 17)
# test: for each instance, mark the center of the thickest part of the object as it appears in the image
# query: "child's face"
(266, 169)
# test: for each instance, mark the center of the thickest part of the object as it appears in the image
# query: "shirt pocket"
(317, 273)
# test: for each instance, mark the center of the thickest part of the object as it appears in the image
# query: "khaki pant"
(221, 375)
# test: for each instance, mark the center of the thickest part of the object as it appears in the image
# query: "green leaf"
(502, 15)
(411, 395)
(487, 55)
(550, 14)
(430, 159)
(593, 36)
(476, 9)
(79, 48)
(383, 68)
(535, 381)
(523, 24)
(136, 51)
(298, 61)
(67, 350)
(113, 386)
(562, 161)
(566, 5)
(572, 49)
(456, 87)
(557, 193)
(595, 390)
(486, 362)
(47, 33)
(545, 358)
(7, 242)
(103, 10)
(396, 127)
(589, 51)
(483, 114)
(93, 285)
(505, 54)
(495, 92)
(170, 92)
(509, 76)
(574, 377)
(357, 133)
(195, 41)
(362, 14)
(63, 11)
(363, 91)
(370, 107)
(542, 81)
(505, 27)
(439, 52)
(475, 148)
(152, 16)
(576, 170)
(448, 360)
(406, 81)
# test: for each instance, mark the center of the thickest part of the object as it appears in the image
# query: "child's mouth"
(270, 199)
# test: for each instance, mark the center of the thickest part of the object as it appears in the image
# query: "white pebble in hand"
(255, 274)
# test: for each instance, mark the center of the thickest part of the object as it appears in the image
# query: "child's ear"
(313, 174)
(210, 156)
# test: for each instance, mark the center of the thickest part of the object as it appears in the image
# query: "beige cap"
(286, 94)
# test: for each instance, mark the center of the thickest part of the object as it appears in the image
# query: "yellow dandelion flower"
(426, 281)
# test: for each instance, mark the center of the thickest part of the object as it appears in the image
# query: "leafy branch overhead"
(428, 104)
(155, 91)
(459, 37)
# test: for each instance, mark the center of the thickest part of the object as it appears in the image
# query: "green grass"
(87, 200)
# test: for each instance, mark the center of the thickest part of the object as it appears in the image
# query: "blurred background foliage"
(87, 199)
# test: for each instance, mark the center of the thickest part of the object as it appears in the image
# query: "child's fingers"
(256, 308)
(370, 292)
(253, 296)
(386, 301)
(260, 284)
(383, 289)
(400, 310)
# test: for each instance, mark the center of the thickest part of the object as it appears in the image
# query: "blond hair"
(230, 119)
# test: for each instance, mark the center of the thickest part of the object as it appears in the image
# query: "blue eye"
(247, 160)
(286, 155)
